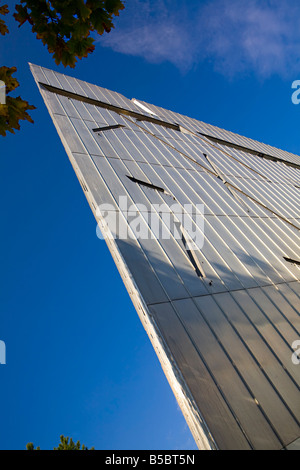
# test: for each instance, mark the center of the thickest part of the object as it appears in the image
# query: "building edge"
(201, 434)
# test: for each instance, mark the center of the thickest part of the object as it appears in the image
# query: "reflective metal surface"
(223, 333)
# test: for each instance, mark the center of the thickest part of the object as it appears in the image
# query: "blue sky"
(78, 360)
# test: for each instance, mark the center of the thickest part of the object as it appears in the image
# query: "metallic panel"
(224, 338)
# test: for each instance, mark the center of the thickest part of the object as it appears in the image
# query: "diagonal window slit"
(108, 128)
(292, 261)
(249, 150)
(111, 107)
(192, 249)
(214, 167)
(149, 185)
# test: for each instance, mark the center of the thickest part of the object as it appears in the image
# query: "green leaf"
(84, 11)
(114, 6)
(62, 24)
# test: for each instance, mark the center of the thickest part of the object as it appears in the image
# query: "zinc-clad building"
(221, 308)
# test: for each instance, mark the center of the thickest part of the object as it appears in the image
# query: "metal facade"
(223, 334)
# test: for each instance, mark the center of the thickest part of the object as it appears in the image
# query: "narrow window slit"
(149, 185)
(108, 128)
(249, 150)
(124, 112)
(192, 249)
(292, 261)
(214, 167)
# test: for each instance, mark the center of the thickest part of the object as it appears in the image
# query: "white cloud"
(256, 36)
(260, 36)
(152, 30)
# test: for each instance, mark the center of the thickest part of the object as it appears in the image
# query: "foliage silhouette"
(66, 28)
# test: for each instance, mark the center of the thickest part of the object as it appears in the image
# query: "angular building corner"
(221, 308)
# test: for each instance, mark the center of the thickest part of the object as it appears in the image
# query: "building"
(203, 226)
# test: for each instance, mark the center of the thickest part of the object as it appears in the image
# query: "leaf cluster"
(3, 27)
(66, 26)
(65, 444)
(15, 109)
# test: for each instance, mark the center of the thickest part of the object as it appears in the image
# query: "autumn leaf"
(15, 109)
(4, 10)
(11, 82)
(3, 27)
(22, 14)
